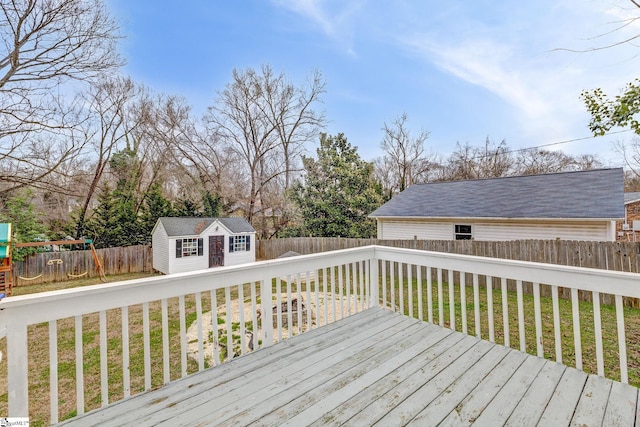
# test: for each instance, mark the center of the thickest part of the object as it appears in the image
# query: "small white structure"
(188, 244)
(581, 205)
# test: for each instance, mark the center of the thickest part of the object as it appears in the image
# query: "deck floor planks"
(530, 408)
(472, 406)
(436, 411)
(378, 366)
(413, 404)
(341, 400)
(400, 392)
(374, 392)
(305, 409)
(337, 369)
(271, 380)
(510, 394)
(562, 405)
(621, 407)
(593, 402)
(272, 357)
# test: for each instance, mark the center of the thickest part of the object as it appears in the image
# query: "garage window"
(462, 232)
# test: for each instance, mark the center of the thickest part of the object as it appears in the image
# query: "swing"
(75, 276)
(28, 279)
(86, 264)
(84, 243)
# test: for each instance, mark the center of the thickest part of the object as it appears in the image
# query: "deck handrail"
(17, 313)
(335, 283)
(587, 279)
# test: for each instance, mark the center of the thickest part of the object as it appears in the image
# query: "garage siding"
(498, 231)
(403, 230)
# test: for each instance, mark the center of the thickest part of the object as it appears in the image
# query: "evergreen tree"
(104, 227)
(155, 206)
(338, 193)
(211, 204)
(116, 221)
(26, 222)
(186, 208)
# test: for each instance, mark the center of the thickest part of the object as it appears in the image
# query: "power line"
(553, 143)
(571, 140)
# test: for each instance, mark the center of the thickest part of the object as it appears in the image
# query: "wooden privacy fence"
(617, 256)
(66, 265)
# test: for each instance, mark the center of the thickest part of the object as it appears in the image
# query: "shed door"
(216, 251)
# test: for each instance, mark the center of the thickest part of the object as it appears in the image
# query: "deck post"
(267, 324)
(18, 369)
(374, 283)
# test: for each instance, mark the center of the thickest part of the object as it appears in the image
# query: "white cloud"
(312, 10)
(498, 69)
(520, 53)
(522, 67)
(336, 19)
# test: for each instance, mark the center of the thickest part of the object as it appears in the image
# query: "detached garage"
(580, 205)
(188, 244)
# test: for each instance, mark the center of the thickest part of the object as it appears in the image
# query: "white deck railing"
(78, 349)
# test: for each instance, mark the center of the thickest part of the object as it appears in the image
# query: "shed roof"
(631, 197)
(180, 226)
(593, 194)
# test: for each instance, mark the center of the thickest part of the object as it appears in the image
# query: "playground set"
(6, 265)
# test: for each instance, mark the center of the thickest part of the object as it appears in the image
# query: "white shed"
(581, 205)
(188, 244)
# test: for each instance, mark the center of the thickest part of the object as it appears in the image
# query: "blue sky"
(463, 70)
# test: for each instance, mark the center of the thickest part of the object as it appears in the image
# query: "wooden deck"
(380, 367)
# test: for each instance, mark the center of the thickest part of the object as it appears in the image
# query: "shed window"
(239, 243)
(462, 232)
(189, 247)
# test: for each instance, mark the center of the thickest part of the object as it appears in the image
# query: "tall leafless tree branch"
(44, 46)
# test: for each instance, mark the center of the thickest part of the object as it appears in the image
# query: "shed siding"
(160, 244)
(496, 231)
(235, 258)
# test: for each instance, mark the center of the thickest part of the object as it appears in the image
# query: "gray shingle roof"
(585, 194)
(631, 197)
(178, 226)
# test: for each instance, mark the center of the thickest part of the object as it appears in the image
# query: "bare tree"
(47, 44)
(36, 157)
(536, 161)
(184, 158)
(265, 121)
(292, 114)
(405, 159)
(630, 153)
(477, 162)
(106, 128)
